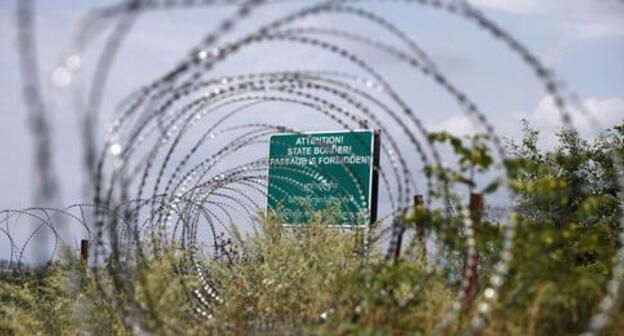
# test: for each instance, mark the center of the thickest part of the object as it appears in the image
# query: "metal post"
(375, 180)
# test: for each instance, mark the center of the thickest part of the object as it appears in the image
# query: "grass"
(282, 281)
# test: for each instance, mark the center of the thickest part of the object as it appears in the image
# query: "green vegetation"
(319, 280)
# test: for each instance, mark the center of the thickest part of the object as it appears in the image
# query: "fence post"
(418, 201)
(477, 207)
(84, 250)
(397, 249)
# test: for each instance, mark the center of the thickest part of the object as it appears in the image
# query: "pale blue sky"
(582, 40)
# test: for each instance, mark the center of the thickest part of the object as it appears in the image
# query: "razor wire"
(148, 178)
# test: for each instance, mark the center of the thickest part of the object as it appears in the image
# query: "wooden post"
(419, 201)
(84, 250)
(477, 207)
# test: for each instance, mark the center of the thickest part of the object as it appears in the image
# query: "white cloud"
(579, 18)
(608, 111)
(456, 125)
(513, 6)
(604, 113)
(605, 28)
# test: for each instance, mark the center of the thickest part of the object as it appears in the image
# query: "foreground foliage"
(327, 281)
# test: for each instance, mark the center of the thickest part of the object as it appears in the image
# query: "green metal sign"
(324, 172)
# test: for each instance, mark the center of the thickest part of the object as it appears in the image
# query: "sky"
(581, 40)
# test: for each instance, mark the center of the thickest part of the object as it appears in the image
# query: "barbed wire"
(170, 166)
